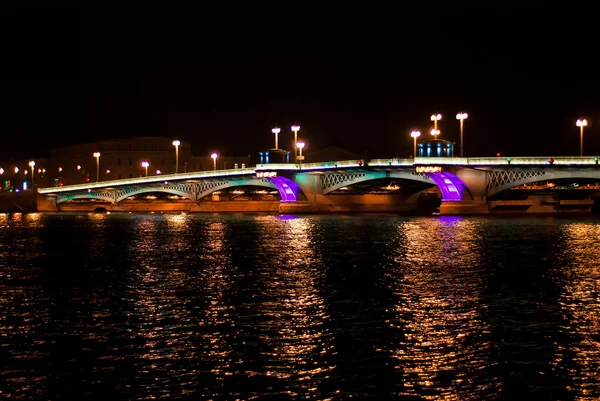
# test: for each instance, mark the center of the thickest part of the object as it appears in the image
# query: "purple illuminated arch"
(288, 189)
(450, 185)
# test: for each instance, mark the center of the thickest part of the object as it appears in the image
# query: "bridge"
(463, 185)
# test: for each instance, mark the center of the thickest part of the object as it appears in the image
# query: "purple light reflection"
(450, 185)
(288, 189)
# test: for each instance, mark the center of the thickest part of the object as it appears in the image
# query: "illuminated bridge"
(462, 185)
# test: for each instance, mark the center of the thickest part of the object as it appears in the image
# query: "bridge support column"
(473, 198)
(46, 203)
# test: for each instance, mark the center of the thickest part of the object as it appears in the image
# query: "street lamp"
(300, 146)
(435, 118)
(214, 157)
(32, 165)
(295, 128)
(434, 132)
(145, 164)
(276, 131)
(581, 123)
(97, 156)
(176, 143)
(462, 117)
(415, 135)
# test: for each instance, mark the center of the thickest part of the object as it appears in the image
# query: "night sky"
(358, 75)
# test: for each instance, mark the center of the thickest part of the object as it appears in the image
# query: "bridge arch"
(502, 180)
(334, 181)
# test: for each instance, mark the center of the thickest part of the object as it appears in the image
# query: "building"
(118, 159)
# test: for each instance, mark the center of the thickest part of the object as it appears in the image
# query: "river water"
(226, 307)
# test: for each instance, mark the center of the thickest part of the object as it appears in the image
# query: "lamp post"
(461, 117)
(176, 143)
(32, 165)
(300, 146)
(145, 164)
(435, 118)
(214, 157)
(415, 135)
(295, 129)
(276, 131)
(434, 132)
(97, 156)
(582, 122)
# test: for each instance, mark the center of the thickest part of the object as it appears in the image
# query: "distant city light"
(1, 171)
(158, 172)
(59, 169)
(107, 171)
(16, 170)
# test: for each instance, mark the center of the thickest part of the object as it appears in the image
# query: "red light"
(360, 163)
(498, 154)
(550, 160)
(87, 179)
(60, 184)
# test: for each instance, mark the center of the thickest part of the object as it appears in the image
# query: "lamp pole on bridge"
(145, 164)
(435, 118)
(214, 157)
(295, 129)
(176, 143)
(97, 156)
(462, 117)
(300, 146)
(415, 135)
(276, 131)
(32, 165)
(581, 123)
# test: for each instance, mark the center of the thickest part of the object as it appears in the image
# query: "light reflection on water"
(298, 307)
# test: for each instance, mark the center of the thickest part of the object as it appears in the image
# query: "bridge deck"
(334, 165)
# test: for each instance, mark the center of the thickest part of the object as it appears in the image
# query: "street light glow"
(434, 132)
(581, 122)
(436, 117)
(96, 154)
(462, 116)
(31, 163)
(1, 171)
(301, 145)
(16, 169)
(214, 155)
(415, 134)
(145, 164)
(176, 143)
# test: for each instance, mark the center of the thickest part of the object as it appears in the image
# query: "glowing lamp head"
(276, 130)
(434, 132)
(145, 164)
(295, 128)
(435, 117)
(31, 163)
(415, 134)
(582, 122)
(176, 143)
(1, 170)
(462, 116)
(78, 167)
(214, 156)
(300, 145)
(107, 171)
(60, 169)
(96, 154)
(16, 170)
(158, 172)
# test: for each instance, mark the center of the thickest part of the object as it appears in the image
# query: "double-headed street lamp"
(435, 118)
(295, 129)
(214, 156)
(145, 164)
(415, 135)
(32, 165)
(435, 132)
(276, 131)
(97, 156)
(461, 117)
(582, 122)
(176, 143)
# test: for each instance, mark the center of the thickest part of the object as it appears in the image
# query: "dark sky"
(358, 75)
